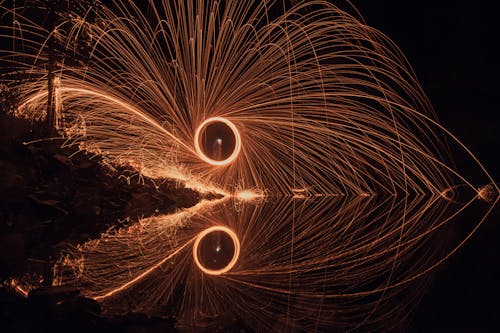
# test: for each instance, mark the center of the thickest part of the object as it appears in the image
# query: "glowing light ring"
(237, 143)
(236, 254)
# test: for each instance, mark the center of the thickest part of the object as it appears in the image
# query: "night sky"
(452, 48)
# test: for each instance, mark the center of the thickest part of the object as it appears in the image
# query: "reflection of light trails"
(344, 263)
(142, 275)
(230, 264)
(158, 244)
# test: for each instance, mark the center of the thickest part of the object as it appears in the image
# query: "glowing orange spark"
(249, 195)
(200, 238)
(203, 155)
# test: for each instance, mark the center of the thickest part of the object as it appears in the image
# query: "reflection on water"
(309, 263)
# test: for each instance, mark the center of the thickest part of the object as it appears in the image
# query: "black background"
(453, 48)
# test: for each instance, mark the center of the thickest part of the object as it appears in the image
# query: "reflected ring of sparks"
(230, 264)
(237, 143)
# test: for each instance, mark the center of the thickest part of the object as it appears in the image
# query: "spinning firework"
(225, 99)
(216, 95)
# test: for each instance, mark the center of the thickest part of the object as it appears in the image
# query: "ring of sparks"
(198, 138)
(230, 264)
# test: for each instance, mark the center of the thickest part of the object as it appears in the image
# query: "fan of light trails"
(311, 100)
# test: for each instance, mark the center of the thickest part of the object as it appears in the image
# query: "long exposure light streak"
(335, 173)
(316, 99)
(235, 251)
(198, 144)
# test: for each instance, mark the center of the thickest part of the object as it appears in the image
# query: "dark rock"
(54, 197)
(52, 295)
